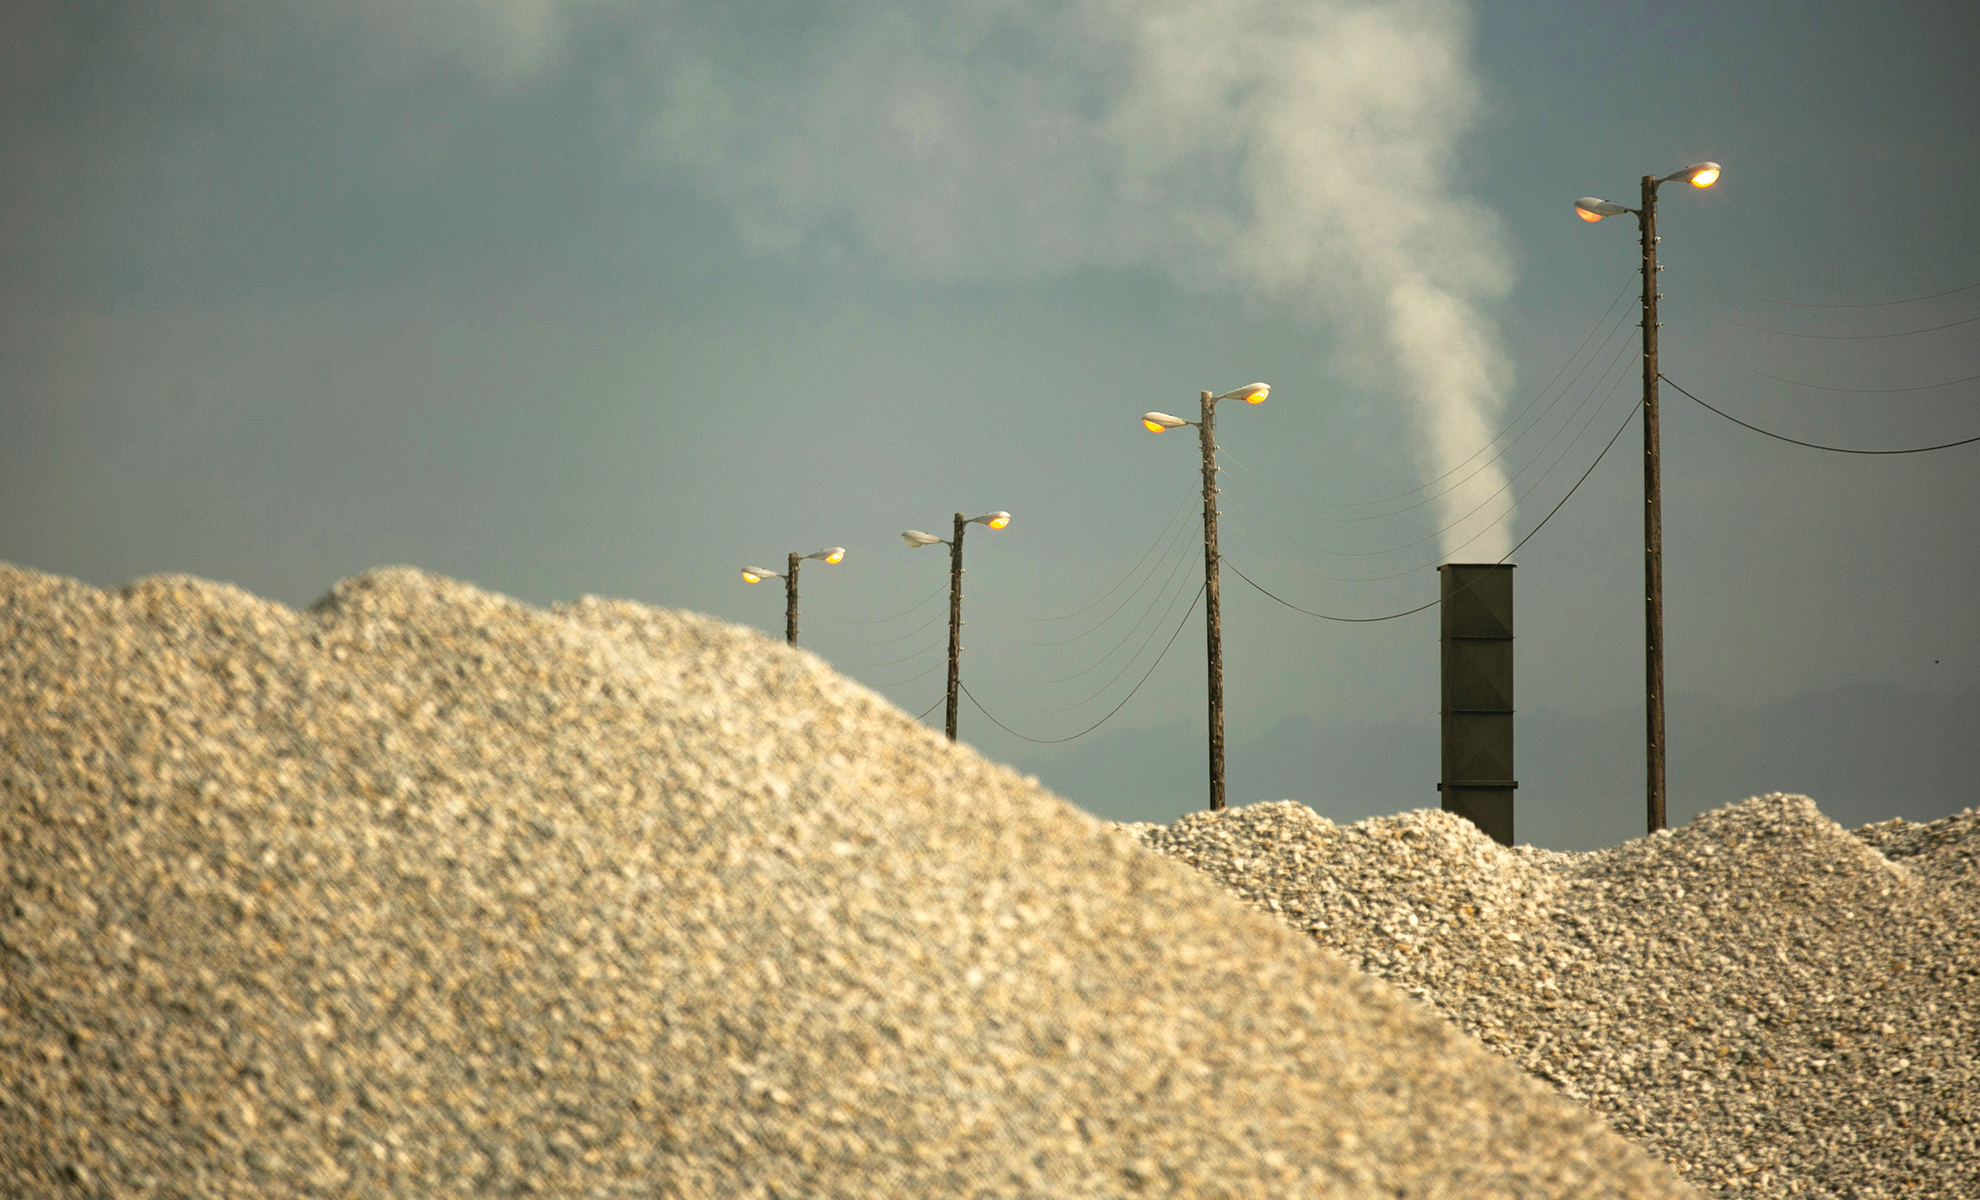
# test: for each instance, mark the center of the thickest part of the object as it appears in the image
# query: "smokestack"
(1477, 620)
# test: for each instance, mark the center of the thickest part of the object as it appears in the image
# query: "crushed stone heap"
(1773, 1005)
(424, 892)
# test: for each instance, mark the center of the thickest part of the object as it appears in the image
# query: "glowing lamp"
(759, 574)
(1156, 422)
(995, 520)
(1250, 393)
(1703, 174)
(831, 554)
(1593, 208)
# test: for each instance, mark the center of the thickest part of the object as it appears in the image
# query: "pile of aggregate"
(1767, 1002)
(424, 892)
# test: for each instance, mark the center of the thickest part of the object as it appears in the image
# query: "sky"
(569, 297)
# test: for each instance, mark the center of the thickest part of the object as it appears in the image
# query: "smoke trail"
(1295, 150)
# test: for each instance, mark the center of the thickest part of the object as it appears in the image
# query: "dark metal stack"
(1477, 707)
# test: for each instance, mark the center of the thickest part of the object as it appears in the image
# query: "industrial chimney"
(1477, 710)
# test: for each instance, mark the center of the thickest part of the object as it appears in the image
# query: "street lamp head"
(759, 574)
(917, 539)
(1703, 174)
(1156, 422)
(995, 520)
(831, 554)
(1594, 208)
(1250, 393)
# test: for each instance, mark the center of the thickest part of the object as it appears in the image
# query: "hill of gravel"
(1767, 1001)
(424, 892)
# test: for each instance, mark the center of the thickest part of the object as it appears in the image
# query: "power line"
(1126, 666)
(939, 664)
(1872, 304)
(1174, 571)
(1507, 486)
(891, 640)
(883, 620)
(1844, 337)
(931, 708)
(1538, 396)
(1812, 445)
(1508, 554)
(1127, 600)
(904, 658)
(1110, 716)
(1133, 570)
(1482, 467)
(1823, 387)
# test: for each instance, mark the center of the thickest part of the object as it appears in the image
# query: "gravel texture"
(424, 892)
(1766, 1001)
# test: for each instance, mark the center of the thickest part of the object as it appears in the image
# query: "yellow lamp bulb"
(833, 558)
(1585, 215)
(1152, 426)
(999, 522)
(748, 578)
(1705, 178)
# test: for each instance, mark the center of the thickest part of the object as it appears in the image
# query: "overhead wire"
(1174, 540)
(1844, 337)
(1870, 304)
(931, 708)
(1823, 387)
(1504, 450)
(1125, 667)
(1181, 561)
(883, 620)
(1110, 714)
(939, 664)
(1508, 554)
(1132, 571)
(1814, 445)
(890, 641)
(1520, 499)
(1538, 396)
(892, 661)
(1583, 404)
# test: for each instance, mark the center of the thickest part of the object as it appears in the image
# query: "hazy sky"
(580, 296)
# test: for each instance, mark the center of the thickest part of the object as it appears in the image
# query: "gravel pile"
(427, 893)
(1760, 998)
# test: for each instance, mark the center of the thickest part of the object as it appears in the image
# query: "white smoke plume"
(1297, 150)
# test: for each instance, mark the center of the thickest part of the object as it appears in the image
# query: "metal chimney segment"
(1477, 709)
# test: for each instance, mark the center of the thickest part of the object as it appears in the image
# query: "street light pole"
(1653, 524)
(955, 621)
(916, 538)
(1591, 208)
(790, 599)
(1213, 623)
(830, 554)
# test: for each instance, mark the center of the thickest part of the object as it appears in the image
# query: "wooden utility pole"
(790, 600)
(955, 618)
(1212, 613)
(1592, 208)
(1653, 522)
